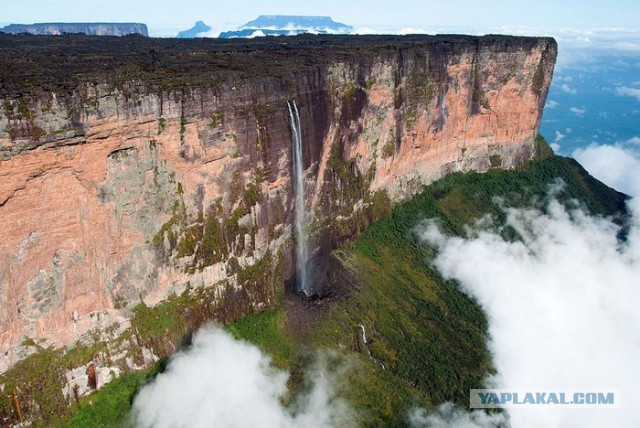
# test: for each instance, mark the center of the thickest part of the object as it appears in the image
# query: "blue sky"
(163, 15)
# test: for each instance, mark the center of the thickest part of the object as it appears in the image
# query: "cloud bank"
(224, 383)
(578, 111)
(629, 92)
(562, 307)
(449, 416)
(616, 165)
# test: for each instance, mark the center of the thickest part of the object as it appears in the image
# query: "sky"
(164, 17)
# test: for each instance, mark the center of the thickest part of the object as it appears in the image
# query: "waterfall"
(302, 251)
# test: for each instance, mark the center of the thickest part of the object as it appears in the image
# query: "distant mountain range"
(298, 22)
(88, 28)
(276, 25)
(199, 28)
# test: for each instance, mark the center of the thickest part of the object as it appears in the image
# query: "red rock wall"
(110, 196)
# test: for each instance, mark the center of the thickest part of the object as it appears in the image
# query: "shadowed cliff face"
(133, 169)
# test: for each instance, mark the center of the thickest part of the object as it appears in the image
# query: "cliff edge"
(136, 169)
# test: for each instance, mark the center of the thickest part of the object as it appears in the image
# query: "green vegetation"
(110, 407)
(92, 104)
(216, 119)
(268, 331)
(477, 94)
(538, 79)
(507, 77)
(419, 91)
(162, 123)
(389, 147)
(39, 380)
(543, 149)
(428, 334)
(183, 126)
(381, 205)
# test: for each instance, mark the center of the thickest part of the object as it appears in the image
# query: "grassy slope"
(429, 336)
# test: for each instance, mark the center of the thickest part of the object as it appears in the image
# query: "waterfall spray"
(303, 280)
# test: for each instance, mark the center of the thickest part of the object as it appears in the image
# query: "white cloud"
(552, 104)
(562, 308)
(569, 90)
(226, 383)
(413, 30)
(578, 111)
(615, 165)
(559, 137)
(629, 92)
(449, 416)
(633, 140)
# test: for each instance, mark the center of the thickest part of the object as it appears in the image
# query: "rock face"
(166, 166)
(90, 29)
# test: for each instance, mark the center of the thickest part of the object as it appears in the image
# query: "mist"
(447, 415)
(616, 165)
(562, 305)
(225, 383)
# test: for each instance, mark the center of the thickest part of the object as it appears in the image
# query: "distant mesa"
(284, 21)
(278, 25)
(199, 28)
(90, 29)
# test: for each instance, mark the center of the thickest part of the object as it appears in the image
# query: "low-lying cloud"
(578, 111)
(449, 416)
(617, 165)
(551, 104)
(224, 383)
(562, 305)
(559, 137)
(628, 92)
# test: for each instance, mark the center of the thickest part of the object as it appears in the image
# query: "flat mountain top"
(88, 28)
(198, 28)
(283, 21)
(31, 63)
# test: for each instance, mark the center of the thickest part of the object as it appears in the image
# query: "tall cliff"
(90, 29)
(133, 170)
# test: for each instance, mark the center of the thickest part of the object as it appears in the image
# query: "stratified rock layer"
(133, 169)
(88, 28)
